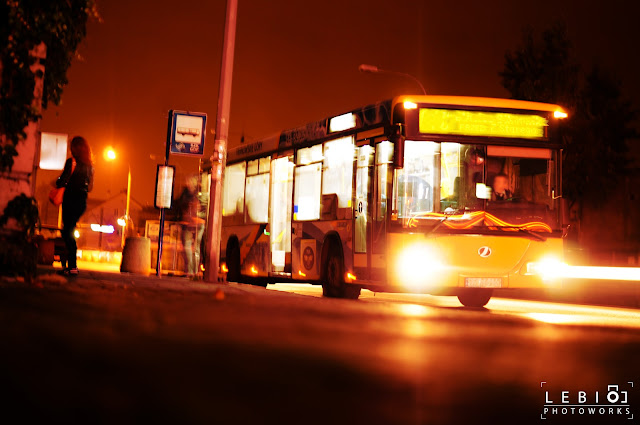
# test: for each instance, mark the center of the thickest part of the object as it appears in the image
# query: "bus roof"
(363, 118)
(487, 102)
(372, 116)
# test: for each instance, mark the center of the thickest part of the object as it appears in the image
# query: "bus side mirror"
(397, 139)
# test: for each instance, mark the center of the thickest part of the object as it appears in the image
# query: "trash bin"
(46, 250)
(136, 256)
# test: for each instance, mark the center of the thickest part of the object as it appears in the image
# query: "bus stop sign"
(187, 133)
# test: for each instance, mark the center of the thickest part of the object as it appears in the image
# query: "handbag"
(56, 195)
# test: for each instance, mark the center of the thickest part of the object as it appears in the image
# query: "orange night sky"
(296, 62)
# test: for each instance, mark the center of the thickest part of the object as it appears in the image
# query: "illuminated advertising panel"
(483, 124)
(53, 151)
(164, 186)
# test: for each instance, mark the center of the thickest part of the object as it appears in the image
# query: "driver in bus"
(500, 188)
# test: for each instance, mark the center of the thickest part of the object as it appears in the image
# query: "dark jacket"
(78, 181)
(190, 208)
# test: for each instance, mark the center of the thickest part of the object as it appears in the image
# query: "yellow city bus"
(424, 194)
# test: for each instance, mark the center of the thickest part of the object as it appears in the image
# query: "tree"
(599, 124)
(25, 24)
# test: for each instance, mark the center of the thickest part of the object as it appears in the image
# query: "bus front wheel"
(475, 297)
(333, 285)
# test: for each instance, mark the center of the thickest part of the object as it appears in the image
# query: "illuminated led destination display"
(487, 124)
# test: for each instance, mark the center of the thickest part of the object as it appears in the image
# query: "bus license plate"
(483, 282)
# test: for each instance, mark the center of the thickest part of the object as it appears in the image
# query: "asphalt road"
(108, 348)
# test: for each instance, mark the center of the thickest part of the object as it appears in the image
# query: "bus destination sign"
(484, 124)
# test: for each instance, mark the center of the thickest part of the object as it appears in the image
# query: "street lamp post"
(110, 155)
(127, 218)
(375, 70)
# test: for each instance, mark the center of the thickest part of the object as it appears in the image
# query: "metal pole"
(128, 192)
(126, 212)
(101, 224)
(219, 157)
(160, 236)
(166, 162)
(404, 74)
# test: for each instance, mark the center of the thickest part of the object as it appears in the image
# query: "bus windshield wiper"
(437, 226)
(534, 234)
(523, 230)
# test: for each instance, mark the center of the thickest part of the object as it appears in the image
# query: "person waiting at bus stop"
(191, 216)
(77, 179)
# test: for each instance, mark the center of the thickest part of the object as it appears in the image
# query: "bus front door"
(383, 181)
(280, 217)
(373, 187)
(363, 212)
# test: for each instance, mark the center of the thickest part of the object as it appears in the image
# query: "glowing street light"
(109, 154)
(375, 70)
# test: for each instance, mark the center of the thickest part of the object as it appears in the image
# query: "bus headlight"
(418, 267)
(549, 268)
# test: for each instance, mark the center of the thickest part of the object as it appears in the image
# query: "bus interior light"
(483, 191)
(410, 105)
(342, 122)
(560, 115)
(105, 228)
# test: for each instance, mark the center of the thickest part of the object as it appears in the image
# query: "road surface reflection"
(421, 306)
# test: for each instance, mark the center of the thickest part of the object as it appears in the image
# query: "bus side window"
(337, 178)
(257, 191)
(384, 157)
(308, 178)
(233, 192)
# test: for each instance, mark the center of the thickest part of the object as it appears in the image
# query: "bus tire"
(351, 292)
(256, 281)
(475, 297)
(233, 262)
(333, 284)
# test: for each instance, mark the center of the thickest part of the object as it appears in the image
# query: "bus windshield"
(465, 186)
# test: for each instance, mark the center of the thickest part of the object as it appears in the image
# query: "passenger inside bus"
(474, 170)
(500, 190)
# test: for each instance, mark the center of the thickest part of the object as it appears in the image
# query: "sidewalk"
(575, 291)
(111, 276)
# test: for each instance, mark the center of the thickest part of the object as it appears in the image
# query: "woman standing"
(77, 179)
